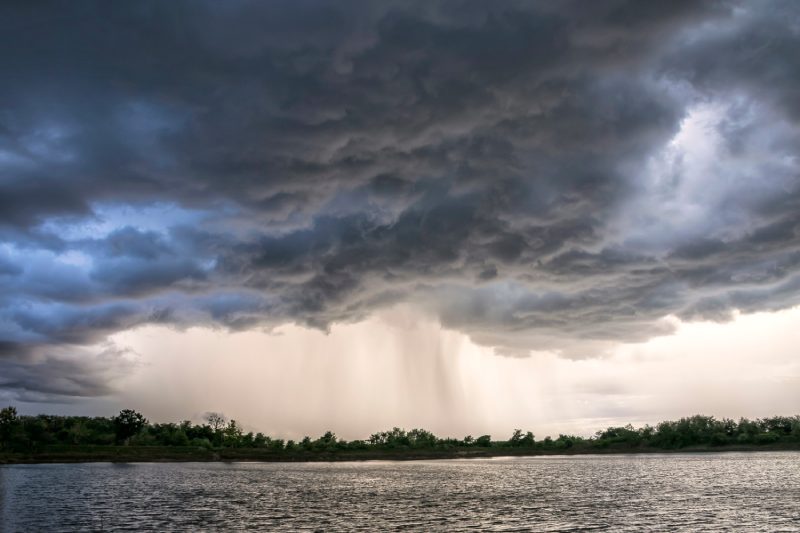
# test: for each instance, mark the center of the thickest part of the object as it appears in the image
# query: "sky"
(460, 215)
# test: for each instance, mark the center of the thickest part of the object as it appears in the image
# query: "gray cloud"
(52, 375)
(537, 175)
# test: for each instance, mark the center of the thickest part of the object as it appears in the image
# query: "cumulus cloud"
(537, 175)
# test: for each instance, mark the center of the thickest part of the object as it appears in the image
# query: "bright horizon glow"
(398, 369)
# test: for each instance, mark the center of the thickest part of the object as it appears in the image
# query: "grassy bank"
(83, 454)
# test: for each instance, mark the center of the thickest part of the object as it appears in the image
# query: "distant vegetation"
(130, 436)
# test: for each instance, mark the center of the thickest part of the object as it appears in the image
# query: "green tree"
(377, 439)
(564, 441)
(127, 424)
(528, 440)
(796, 428)
(8, 423)
(484, 441)
(217, 422)
(516, 438)
(421, 438)
(326, 441)
(232, 434)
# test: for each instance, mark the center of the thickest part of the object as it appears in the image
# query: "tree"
(127, 424)
(484, 441)
(217, 421)
(564, 441)
(232, 434)
(8, 421)
(528, 440)
(796, 428)
(422, 438)
(377, 439)
(326, 441)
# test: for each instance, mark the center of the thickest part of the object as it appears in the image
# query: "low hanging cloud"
(536, 175)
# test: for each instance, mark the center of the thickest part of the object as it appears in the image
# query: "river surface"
(670, 492)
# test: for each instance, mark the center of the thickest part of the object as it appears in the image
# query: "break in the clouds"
(537, 175)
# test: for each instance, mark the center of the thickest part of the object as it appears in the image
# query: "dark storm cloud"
(62, 376)
(517, 168)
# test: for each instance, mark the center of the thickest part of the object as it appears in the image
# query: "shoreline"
(156, 454)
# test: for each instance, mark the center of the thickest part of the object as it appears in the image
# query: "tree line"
(29, 434)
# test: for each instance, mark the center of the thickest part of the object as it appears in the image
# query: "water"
(685, 492)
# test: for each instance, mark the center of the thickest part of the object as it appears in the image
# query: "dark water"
(703, 492)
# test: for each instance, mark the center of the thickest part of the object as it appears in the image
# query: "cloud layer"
(536, 175)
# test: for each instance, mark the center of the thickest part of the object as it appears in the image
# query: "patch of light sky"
(694, 187)
(158, 217)
(42, 259)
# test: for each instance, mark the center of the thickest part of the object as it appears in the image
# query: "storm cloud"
(537, 175)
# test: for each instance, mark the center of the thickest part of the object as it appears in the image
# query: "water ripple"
(681, 492)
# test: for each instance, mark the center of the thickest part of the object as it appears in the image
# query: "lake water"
(680, 492)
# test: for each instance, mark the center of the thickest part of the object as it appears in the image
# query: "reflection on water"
(702, 492)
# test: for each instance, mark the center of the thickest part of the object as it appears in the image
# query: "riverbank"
(132, 454)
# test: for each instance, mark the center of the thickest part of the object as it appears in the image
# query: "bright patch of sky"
(397, 369)
(709, 177)
(158, 217)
